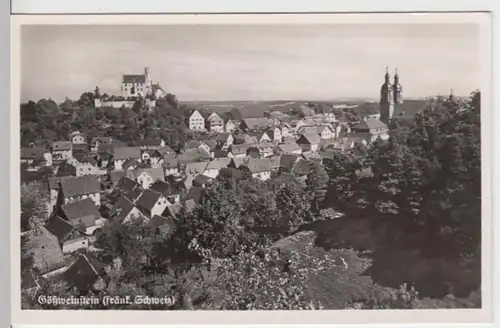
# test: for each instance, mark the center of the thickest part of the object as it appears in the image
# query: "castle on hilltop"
(391, 95)
(133, 87)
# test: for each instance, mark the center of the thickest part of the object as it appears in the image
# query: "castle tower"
(397, 89)
(386, 99)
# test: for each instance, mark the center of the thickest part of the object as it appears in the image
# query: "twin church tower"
(390, 95)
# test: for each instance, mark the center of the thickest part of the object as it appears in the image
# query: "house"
(195, 194)
(157, 156)
(85, 165)
(189, 156)
(229, 125)
(70, 238)
(224, 140)
(83, 215)
(172, 211)
(287, 162)
(274, 134)
(151, 144)
(65, 169)
(309, 142)
(69, 189)
(238, 151)
(45, 250)
(30, 284)
(219, 153)
(169, 190)
(289, 148)
(77, 137)
(245, 139)
(213, 168)
(236, 162)
(375, 127)
(201, 181)
(126, 187)
(266, 149)
(215, 123)
(171, 166)
(285, 130)
(275, 163)
(124, 210)
(146, 176)
(163, 225)
(96, 141)
(152, 203)
(259, 168)
(255, 123)
(302, 168)
(196, 122)
(130, 164)
(208, 147)
(121, 154)
(312, 156)
(36, 157)
(61, 150)
(264, 137)
(325, 132)
(85, 272)
(193, 169)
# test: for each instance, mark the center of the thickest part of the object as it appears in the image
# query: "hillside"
(257, 108)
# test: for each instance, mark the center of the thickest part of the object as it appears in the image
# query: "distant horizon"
(265, 62)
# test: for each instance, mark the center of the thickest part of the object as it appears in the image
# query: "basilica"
(391, 96)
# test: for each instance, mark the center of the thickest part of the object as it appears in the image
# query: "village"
(93, 181)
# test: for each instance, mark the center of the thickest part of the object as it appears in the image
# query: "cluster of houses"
(103, 179)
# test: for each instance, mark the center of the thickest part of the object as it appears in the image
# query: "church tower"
(397, 89)
(386, 99)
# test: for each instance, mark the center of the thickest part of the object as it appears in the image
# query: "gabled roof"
(165, 224)
(275, 162)
(133, 78)
(75, 186)
(164, 151)
(309, 139)
(83, 212)
(165, 188)
(236, 162)
(126, 153)
(34, 153)
(149, 142)
(156, 173)
(312, 156)
(258, 165)
(212, 144)
(84, 272)
(85, 159)
(45, 249)
(148, 199)
(219, 153)
(218, 163)
(214, 117)
(104, 140)
(302, 167)
(289, 147)
(240, 149)
(174, 209)
(116, 176)
(121, 208)
(60, 228)
(62, 145)
(245, 139)
(192, 144)
(257, 123)
(106, 148)
(223, 136)
(130, 163)
(195, 194)
(201, 180)
(370, 123)
(287, 161)
(195, 168)
(170, 163)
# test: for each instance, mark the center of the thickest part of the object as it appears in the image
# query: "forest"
(410, 236)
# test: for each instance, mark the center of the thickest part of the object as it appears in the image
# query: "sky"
(250, 62)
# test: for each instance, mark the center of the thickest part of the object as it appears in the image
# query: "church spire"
(386, 74)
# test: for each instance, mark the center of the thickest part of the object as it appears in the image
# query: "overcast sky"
(250, 62)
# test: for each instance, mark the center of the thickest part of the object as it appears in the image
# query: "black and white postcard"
(336, 167)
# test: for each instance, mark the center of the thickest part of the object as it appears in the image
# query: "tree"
(34, 206)
(293, 203)
(317, 182)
